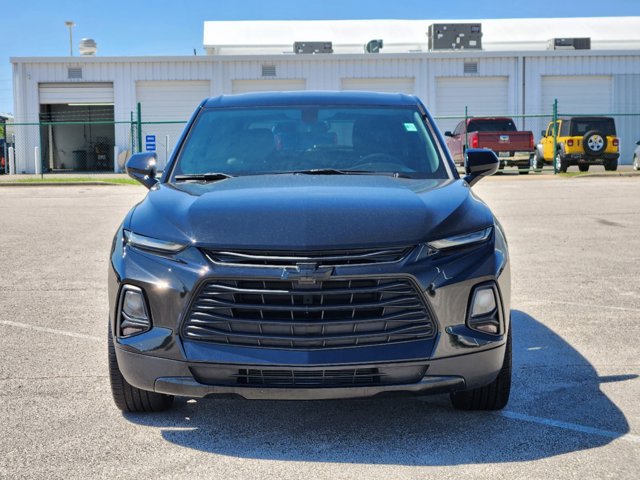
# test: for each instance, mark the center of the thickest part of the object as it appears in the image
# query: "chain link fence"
(92, 140)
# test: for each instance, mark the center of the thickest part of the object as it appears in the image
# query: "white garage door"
(84, 93)
(577, 94)
(284, 85)
(389, 85)
(481, 95)
(168, 101)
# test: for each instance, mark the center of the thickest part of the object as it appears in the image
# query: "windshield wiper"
(204, 177)
(335, 171)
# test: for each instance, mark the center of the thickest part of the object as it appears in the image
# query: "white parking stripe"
(50, 330)
(505, 413)
(569, 426)
(585, 305)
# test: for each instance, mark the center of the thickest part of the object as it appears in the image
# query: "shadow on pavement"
(551, 381)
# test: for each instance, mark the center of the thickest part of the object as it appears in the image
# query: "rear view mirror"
(478, 163)
(448, 134)
(142, 167)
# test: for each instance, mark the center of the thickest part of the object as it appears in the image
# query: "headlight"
(461, 240)
(149, 243)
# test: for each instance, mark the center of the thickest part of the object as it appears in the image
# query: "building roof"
(402, 36)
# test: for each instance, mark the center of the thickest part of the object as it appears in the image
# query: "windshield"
(263, 140)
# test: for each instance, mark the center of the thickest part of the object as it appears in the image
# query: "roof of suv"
(311, 98)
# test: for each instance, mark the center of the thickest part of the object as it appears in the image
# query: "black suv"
(308, 246)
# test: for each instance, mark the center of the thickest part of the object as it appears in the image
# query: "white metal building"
(514, 74)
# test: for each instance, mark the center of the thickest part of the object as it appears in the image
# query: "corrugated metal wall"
(524, 84)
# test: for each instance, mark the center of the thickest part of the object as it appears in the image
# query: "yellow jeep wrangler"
(582, 141)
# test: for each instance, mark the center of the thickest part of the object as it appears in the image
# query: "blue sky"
(161, 27)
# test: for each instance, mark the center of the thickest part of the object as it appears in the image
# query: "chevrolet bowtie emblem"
(307, 273)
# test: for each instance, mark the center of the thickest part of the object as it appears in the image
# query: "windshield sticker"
(410, 127)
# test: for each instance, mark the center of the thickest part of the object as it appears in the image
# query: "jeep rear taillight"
(570, 142)
(615, 142)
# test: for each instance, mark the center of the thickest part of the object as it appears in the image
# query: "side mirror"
(543, 133)
(448, 134)
(478, 163)
(638, 142)
(142, 167)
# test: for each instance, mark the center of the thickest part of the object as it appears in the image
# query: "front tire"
(636, 163)
(494, 396)
(561, 163)
(536, 162)
(129, 398)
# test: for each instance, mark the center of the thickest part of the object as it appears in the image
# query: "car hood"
(309, 212)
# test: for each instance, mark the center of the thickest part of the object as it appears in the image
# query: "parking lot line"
(585, 305)
(568, 426)
(49, 330)
(505, 413)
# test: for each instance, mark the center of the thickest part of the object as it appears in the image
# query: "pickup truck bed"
(497, 134)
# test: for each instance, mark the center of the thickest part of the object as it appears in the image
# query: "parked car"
(636, 157)
(499, 134)
(310, 246)
(581, 141)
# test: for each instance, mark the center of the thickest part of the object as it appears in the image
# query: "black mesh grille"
(291, 258)
(329, 314)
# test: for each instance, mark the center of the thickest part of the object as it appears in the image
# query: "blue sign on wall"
(150, 143)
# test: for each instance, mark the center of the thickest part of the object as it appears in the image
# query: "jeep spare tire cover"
(595, 142)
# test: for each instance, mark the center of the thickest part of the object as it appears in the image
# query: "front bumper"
(443, 375)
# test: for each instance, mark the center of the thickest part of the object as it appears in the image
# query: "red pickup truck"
(496, 133)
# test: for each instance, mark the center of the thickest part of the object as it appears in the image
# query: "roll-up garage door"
(75, 93)
(283, 85)
(481, 95)
(167, 101)
(389, 85)
(577, 94)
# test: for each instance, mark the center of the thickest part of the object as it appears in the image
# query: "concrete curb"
(63, 184)
(612, 174)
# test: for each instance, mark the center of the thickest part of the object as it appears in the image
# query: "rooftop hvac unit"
(313, 47)
(88, 46)
(455, 36)
(569, 44)
(373, 46)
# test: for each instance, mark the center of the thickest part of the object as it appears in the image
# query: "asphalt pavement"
(574, 410)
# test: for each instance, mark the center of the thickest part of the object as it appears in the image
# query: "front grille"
(324, 378)
(321, 257)
(308, 377)
(328, 314)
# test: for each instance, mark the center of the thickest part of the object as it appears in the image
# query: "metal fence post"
(555, 135)
(12, 161)
(38, 165)
(466, 116)
(116, 166)
(133, 141)
(139, 127)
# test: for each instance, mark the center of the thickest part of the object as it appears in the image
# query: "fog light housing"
(484, 311)
(134, 315)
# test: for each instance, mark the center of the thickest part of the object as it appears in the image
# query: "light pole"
(70, 24)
